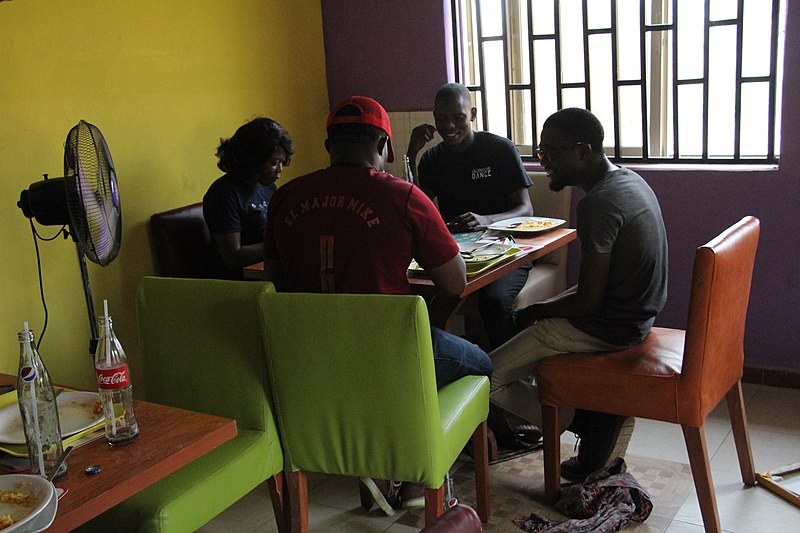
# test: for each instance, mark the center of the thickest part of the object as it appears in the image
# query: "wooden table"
(440, 307)
(169, 438)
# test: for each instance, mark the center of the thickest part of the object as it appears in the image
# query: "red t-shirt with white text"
(353, 229)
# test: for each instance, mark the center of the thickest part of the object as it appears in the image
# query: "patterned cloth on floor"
(608, 500)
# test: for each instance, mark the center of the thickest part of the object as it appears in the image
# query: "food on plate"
(534, 224)
(23, 498)
(98, 407)
(17, 497)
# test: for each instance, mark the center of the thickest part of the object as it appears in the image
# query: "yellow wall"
(163, 80)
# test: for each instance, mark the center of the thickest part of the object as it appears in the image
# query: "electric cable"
(39, 268)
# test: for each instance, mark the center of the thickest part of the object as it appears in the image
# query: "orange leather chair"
(674, 375)
(182, 244)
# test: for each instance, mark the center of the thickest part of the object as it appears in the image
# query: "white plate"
(516, 224)
(75, 413)
(36, 517)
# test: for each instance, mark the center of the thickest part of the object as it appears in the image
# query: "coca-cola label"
(113, 378)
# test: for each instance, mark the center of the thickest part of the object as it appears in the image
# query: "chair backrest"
(182, 244)
(547, 203)
(714, 351)
(353, 384)
(201, 347)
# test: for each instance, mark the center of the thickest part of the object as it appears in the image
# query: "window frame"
(654, 134)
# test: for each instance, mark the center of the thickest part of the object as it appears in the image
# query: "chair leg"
(552, 452)
(480, 458)
(741, 435)
(276, 488)
(493, 453)
(297, 494)
(434, 503)
(701, 473)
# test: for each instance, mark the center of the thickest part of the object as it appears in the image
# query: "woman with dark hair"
(235, 206)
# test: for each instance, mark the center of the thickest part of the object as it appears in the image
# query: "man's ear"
(382, 145)
(473, 113)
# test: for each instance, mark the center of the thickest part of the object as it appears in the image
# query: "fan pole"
(87, 291)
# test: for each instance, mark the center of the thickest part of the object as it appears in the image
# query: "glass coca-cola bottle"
(114, 385)
(37, 405)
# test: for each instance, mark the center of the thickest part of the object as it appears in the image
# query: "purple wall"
(390, 50)
(697, 205)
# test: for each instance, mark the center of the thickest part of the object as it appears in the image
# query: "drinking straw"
(36, 430)
(108, 337)
(109, 408)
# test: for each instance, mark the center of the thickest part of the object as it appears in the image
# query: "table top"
(169, 438)
(545, 242)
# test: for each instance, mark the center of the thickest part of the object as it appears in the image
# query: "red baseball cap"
(372, 113)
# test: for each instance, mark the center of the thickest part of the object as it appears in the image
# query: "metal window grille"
(673, 81)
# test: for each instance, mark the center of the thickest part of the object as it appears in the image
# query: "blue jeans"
(454, 358)
(495, 302)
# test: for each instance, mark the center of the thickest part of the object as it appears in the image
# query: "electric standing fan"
(86, 200)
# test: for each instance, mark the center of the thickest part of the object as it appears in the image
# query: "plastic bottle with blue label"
(38, 408)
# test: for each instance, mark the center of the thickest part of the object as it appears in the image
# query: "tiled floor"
(656, 458)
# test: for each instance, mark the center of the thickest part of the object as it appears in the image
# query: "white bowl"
(33, 518)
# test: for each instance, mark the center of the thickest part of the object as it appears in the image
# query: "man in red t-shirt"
(352, 228)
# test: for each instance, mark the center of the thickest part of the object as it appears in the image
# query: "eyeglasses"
(550, 151)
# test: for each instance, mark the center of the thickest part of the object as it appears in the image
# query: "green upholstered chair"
(201, 350)
(354, 392)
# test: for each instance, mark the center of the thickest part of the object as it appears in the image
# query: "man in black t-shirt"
(477, 178)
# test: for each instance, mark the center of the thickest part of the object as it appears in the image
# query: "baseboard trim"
(773, 377)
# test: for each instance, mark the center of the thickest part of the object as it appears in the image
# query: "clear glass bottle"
(450, 497)
(407, 174)
(114, 385)
(38, 408)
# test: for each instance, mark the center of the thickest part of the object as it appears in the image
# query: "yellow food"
(535, 224)
(5, 521)
(18, 498)
(98, 407)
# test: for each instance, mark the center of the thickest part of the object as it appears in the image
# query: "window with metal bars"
(673, 81)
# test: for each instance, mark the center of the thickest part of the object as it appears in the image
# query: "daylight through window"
(673, 81)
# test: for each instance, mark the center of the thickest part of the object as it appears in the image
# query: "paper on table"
(481, 237)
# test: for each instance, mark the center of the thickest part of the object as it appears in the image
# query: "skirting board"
(772, 376)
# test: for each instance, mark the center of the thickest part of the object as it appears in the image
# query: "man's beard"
(556, 184)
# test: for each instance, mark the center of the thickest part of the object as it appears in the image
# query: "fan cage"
(91, 194)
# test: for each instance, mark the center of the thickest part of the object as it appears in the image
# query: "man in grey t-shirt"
(622, 285)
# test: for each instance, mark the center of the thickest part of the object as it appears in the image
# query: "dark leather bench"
(182, 244)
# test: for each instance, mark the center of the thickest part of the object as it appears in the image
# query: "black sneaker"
(599, 446)
(515, 437)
